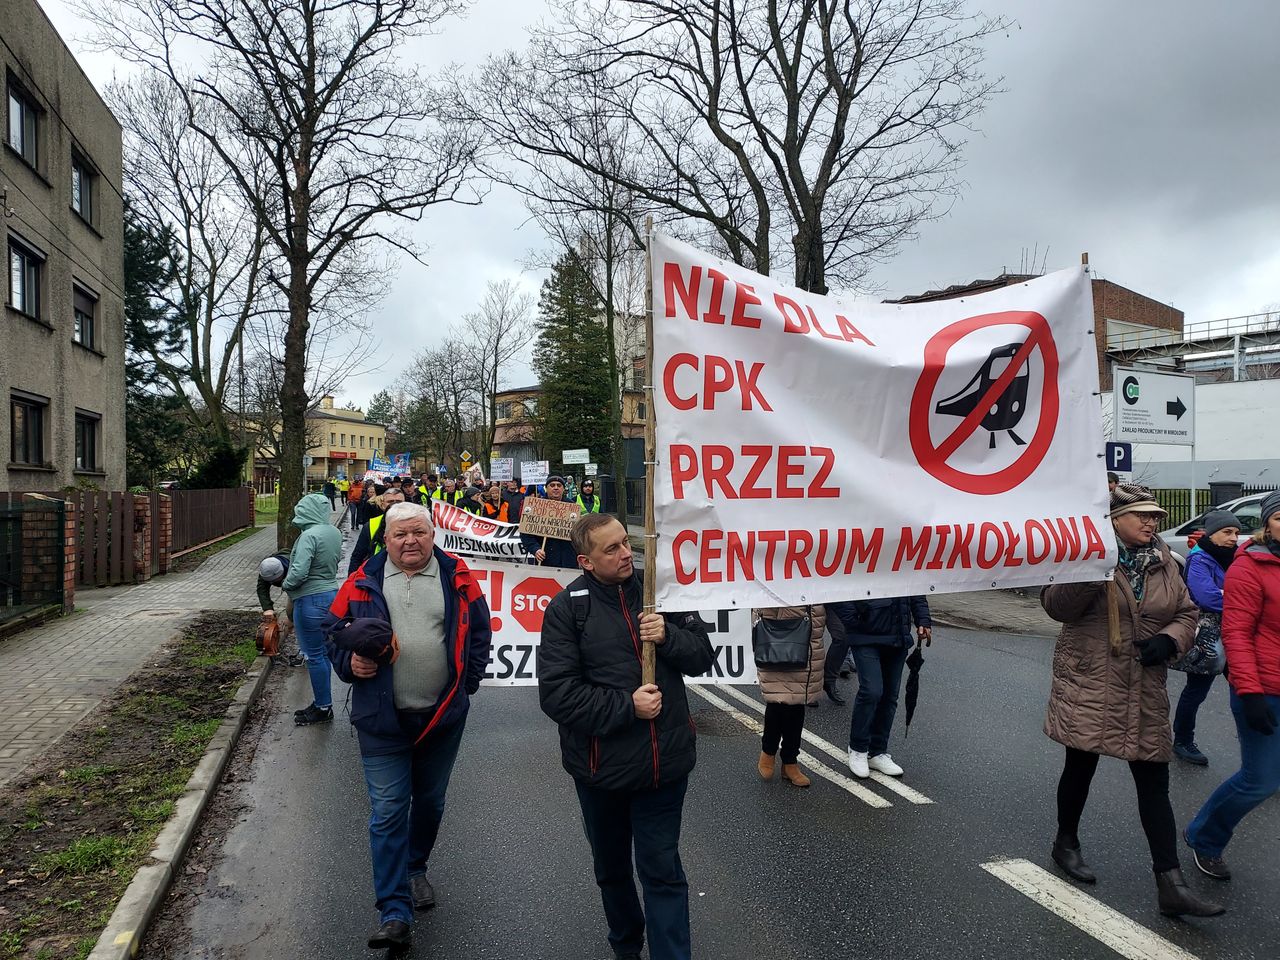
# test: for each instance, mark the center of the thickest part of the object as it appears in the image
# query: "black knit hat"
(1134, 498)
(1216, 520)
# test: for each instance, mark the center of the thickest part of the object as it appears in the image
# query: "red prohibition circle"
(934, 457)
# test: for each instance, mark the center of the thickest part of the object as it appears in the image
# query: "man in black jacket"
(629, 746)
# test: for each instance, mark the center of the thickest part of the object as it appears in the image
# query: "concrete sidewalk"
(53, 675)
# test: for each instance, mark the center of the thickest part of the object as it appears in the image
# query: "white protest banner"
(575, 456)
(462, 532)
(534, 472)
(502, 468)
(518, 597)
(814, 449)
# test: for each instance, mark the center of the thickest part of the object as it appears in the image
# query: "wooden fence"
(203, 515)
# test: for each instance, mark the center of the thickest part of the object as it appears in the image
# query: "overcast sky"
(1146, 132)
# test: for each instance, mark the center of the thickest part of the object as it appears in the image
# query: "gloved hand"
(1157, 650)
(1258, 714)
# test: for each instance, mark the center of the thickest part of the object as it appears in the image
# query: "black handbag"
(781, 644)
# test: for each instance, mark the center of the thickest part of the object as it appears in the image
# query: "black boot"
(1177, 900)
(1066, 854)
(393, 933)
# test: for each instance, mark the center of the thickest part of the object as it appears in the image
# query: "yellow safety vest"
(375, 547)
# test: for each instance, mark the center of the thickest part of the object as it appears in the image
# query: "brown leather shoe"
(766, 765)
(792, 773)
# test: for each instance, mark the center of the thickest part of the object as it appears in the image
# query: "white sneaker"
(884, 763)
(858, 764)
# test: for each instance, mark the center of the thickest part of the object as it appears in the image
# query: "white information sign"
(591, 469)
(534, 471)
(1155, 407)
(575, 456)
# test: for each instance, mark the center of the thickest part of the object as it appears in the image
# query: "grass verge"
(189, 561)
(75, 830)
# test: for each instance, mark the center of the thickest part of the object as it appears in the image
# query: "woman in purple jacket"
(1206, 570)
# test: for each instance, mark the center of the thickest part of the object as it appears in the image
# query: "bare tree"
(493, 337)
(827, 129)
(329, 138)
(175, 179)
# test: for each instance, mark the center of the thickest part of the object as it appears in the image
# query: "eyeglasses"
(1149, 519)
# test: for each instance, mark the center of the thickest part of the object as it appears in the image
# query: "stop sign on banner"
(529, 601)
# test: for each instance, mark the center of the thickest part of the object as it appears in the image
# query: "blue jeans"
(1193, 694)
(614, 821)
(308, 615)
(406, 804)
(1257, 779)
(879, 677)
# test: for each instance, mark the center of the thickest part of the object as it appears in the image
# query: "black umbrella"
(914, 663)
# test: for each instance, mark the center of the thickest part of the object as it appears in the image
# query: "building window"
(24, 279)
(504, 410)
(83, 184)
(640, 411)
(87, 441)
(23, 115)
(531, 407)
(86, 308)
(26, 429)
(333, 439)
(344, 438)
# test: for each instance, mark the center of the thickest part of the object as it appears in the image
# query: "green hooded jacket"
(313, 563)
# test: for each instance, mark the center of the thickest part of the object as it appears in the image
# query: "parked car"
(170, 484)
(1247, 509)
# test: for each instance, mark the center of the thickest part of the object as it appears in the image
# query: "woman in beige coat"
(787, 693)
(1108, 696)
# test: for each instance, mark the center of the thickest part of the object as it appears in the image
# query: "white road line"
(892, 784)
(811, 763)
(1124, 936)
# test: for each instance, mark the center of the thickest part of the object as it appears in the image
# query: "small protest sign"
(540, 517)
(534, 471)
(502, 468)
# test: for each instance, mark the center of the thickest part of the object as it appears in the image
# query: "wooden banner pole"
(648, 666)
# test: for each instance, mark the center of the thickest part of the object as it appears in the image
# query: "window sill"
(88, 223)
(27, 163)
(33, 467)
(89, 473)
(87, 349)
(26, 316)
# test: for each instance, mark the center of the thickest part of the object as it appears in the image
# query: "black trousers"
(783, 724)
(1151, 778)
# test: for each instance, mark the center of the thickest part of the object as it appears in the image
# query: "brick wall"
(141, 537)
(70, 551)
(1114, 302)
(251, 500)
(166, 531)
(49, 549)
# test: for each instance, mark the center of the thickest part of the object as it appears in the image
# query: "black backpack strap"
(581, 601)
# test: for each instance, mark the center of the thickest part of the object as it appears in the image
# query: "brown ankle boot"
(792, 773)
(766, 766)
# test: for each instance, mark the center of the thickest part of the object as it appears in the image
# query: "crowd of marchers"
(409, 630)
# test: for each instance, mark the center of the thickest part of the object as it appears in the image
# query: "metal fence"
(31, 555)
(203, 515)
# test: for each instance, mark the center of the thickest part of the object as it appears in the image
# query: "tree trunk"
(811, 262)
(293, 404)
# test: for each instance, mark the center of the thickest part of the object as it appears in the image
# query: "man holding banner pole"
(628, 744)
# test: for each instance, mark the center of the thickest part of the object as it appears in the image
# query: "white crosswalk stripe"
(893, 784)
(1126, 937)
(809, 761)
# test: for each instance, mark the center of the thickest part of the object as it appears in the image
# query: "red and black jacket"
(467, 631)
(588, 668)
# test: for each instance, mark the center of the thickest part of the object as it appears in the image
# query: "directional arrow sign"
(1154, 407)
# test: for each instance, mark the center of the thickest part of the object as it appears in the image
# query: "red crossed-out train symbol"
(996, 398)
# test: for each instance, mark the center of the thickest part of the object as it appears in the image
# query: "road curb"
(122, 938)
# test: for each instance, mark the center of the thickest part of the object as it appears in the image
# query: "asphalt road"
(775, 872)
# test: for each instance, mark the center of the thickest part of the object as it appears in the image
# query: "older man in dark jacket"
(629, 746)
(410, 705)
